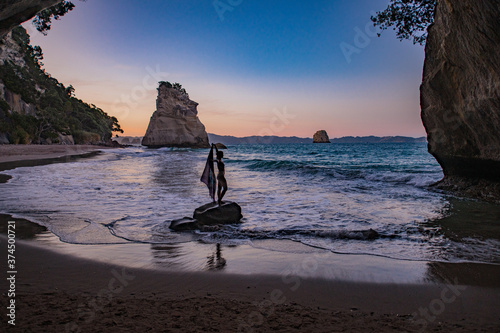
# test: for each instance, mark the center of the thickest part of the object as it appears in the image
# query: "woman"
(221, 179)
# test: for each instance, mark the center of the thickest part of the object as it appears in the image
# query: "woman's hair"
(220, 154)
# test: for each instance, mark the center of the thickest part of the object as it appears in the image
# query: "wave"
(375, 173)
(229, 232)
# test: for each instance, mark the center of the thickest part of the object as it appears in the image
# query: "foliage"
(43, 20)
(177, 86)
(57, 109)
(409, 18)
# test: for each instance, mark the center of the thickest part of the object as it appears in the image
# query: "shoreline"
(65, 287)
(94, 296)
(15, 156)
(266, 257)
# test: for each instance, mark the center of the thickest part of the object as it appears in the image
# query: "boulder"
(4, 139)
(175, 122)
(65, 139)
(321, 137)
(460, 95)
(184, 224)
(213, 214)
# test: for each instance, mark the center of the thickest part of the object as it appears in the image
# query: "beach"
(88, 288)
(55, 292)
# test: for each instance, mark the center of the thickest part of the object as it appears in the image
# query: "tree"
(70, 91)
(409, 18)
(43, 19)
(38, 55)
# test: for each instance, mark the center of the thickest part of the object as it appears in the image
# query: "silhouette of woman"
(221, 179)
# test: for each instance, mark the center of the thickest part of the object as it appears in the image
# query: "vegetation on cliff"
(409, 18)
(43, 19)
(176, 86)
(57, 111)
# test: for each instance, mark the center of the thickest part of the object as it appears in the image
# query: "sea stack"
(460, 95)
(175, 122)
(321, 137)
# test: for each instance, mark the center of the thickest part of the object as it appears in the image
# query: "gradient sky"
(259, 68)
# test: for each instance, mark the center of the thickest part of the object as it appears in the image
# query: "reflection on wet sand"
(188, 256)
(24, 228)
(215, 261)
(200, 256)
(472, 274)
(467, 218)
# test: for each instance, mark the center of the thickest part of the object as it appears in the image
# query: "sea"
(362, 199)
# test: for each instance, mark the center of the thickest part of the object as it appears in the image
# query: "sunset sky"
(283, 67)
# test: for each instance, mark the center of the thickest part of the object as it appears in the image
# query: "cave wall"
(460, 92)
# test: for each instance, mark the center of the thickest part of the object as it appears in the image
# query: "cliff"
(175, 122)
(36, 108)
(460, 95)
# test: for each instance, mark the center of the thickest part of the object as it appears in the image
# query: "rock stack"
(321, 137)
(175, 122)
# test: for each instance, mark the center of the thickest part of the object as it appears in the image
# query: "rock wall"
(15, 12)
(16, 103)
(460, 94)
(175, 122)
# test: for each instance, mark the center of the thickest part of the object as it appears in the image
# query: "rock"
(175, 122)
(15, 102)
(370, 234)
(220, 146)
(460, 94)
(184, 224)
(4, 139)
(65, 139)
(136, 141)
(114, 144)
(212, 214)
(321, 137)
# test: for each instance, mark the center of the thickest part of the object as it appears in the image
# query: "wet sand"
(13, 153)
(14, 156)
(55, 291)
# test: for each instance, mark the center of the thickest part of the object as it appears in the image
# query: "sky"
(282, 67)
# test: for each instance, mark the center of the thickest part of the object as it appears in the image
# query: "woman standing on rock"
(221, 179)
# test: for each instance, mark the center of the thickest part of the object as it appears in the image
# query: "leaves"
(409, 18)
(43, 20)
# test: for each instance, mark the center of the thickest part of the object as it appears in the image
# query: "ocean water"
(328, 197)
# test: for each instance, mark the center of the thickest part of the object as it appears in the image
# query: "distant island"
(231, 140)
(378, 139)
(248, 140)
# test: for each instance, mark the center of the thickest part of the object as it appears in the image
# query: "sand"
(12, 153)
(57, 292)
